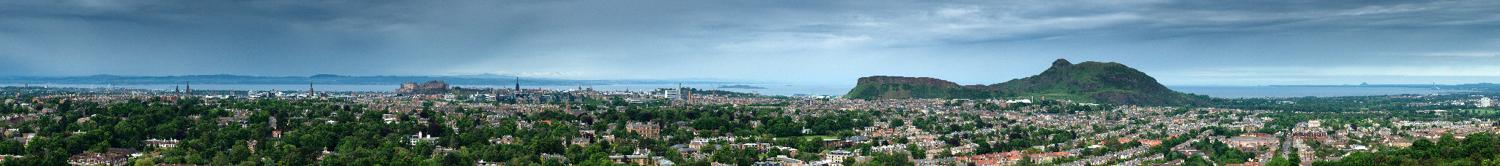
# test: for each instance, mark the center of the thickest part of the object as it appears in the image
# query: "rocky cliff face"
(921, 81)
(894, 87)
(1088, 81)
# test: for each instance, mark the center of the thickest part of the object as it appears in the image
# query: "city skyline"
(822, 42)
(750, 83)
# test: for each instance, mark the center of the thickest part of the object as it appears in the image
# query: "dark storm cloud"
(1182, 42)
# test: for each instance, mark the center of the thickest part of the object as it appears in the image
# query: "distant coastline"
(740, 87)
(1395, 85)
(788, 90)
(323, 79)
(1281, 91)
(1467, 87)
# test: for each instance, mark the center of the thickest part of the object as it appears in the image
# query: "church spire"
(310, 90)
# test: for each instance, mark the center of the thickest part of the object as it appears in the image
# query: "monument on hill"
(429, 87)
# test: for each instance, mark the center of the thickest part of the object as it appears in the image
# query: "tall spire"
(188, 85)
(518, 84)
(310, 90)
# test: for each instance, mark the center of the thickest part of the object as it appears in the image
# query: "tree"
(916, 152)
(145, 161)
(983, 147)
(1279, 160)
(784, 127)
(881, 159)
(1295, 158)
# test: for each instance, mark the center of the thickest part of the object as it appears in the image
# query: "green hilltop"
(1107, 82)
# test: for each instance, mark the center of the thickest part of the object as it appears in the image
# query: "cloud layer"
(1181, 42)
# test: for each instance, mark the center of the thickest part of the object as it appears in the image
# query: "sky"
(1179, 42)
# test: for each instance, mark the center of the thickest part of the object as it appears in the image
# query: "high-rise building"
(671, 93)
(1485, 102)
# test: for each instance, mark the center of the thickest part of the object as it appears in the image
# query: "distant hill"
(1088, 81)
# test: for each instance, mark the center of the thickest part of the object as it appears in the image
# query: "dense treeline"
(1474, 149)
(318, 132)
(351, 135)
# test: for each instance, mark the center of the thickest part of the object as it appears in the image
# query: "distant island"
(740, 87)
(1088, 82)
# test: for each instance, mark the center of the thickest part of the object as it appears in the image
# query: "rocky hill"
(429, 87)
(1088, 81)
(894, 87)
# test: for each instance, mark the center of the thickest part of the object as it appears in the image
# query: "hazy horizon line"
(722, 80)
